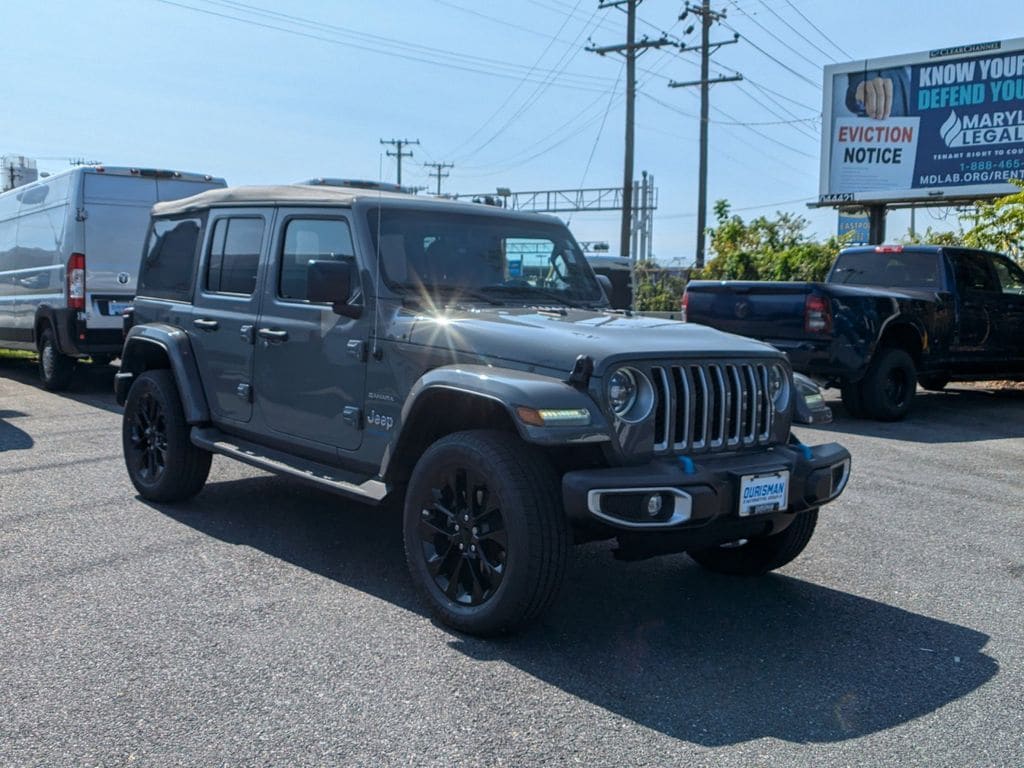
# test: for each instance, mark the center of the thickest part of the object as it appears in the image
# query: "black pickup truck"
(886, 319)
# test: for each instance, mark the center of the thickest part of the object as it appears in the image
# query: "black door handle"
(206, 325)
(272, 335)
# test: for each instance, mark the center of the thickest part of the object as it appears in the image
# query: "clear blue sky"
(308, 88)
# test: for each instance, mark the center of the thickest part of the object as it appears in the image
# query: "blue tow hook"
(688, 466)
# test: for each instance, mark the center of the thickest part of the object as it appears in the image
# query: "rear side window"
(170, 259)
(234, 255)
(307, 240)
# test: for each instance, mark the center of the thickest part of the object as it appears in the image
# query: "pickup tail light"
(76, 281)
(684, 304)
(817, 316)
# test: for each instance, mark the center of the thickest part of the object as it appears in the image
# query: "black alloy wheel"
(148, 439)
(486, 537)
(161, 460)
(462, 533)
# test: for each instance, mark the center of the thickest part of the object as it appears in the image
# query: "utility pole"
(630, 50)
(707, 18)
(438, 173)
(398, 153)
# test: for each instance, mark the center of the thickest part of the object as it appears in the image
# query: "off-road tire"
(934, 382)
(889, 385)
(55, 368)
(164, 465)
(759, 556)
(519, 483)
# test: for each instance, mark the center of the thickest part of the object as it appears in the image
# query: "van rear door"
(117, 206)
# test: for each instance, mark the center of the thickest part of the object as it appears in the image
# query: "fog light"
(654, 504)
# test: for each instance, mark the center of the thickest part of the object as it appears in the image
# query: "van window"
(307, 240)
(170, 259)
(119, 190)
(234, 255)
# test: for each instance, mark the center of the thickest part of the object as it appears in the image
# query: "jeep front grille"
(711, 407)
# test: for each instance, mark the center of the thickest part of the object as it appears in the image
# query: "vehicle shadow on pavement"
(951, 416)
(703, 658)
(719, 660)
(12, 438)
(91, 384)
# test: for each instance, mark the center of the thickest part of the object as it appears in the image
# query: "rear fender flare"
(157, 345)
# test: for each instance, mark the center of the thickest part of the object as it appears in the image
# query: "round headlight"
(630, 394)
(778, 387)
(621, 391)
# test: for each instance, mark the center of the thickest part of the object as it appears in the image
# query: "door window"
(973, 272)
(1011, 277)
(307, 240)
(234, 255)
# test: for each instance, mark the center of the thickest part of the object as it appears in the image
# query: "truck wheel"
(55, 369)
(889, 386)
(934, 382)
(162, 462)
(759, 556)
(485, 535)
(853, 401)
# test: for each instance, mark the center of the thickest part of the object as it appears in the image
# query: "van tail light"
(76, 282)
(817, 316)
(684, 305)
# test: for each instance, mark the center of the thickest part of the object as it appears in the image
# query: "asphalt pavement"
(266, 623)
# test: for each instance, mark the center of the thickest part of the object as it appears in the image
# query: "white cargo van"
(70, 248)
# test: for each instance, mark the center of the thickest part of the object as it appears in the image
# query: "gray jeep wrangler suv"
(461, 358)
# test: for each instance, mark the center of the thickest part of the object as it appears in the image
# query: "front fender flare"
(511, 389)
(158, 345)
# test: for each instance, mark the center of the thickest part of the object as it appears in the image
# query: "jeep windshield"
(444, 256)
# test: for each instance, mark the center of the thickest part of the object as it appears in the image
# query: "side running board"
(321, 475)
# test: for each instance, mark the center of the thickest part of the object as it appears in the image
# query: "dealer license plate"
(115, 308)
(763, 494)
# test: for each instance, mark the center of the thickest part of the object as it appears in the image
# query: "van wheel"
(162, 462)
(485, 534)
(889, 386)
(759, 556)
(55, 369)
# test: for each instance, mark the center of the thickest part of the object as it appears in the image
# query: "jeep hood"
(554, 340)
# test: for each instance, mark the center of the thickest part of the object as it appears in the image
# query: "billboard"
(940, 124)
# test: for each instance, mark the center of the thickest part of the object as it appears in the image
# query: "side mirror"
(606, 285)
(810, 404)
(330, 282)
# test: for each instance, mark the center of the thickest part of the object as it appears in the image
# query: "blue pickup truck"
(886, 319)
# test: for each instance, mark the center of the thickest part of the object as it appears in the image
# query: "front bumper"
(708, 489)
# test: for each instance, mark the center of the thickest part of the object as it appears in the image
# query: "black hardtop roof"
(303, 194)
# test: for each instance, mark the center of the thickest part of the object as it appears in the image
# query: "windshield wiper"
(526, 290)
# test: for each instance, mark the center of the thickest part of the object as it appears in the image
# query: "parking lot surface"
(265, 623)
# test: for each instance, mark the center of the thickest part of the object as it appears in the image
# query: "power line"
(532, 99)
(818, 29)
(600, 131)
(799, 34)
(793, 50)
(461, 62)
(740, 210)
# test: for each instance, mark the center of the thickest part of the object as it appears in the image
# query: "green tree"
(999, 225)
(766, 248)
(933, 237)
(656, 289)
